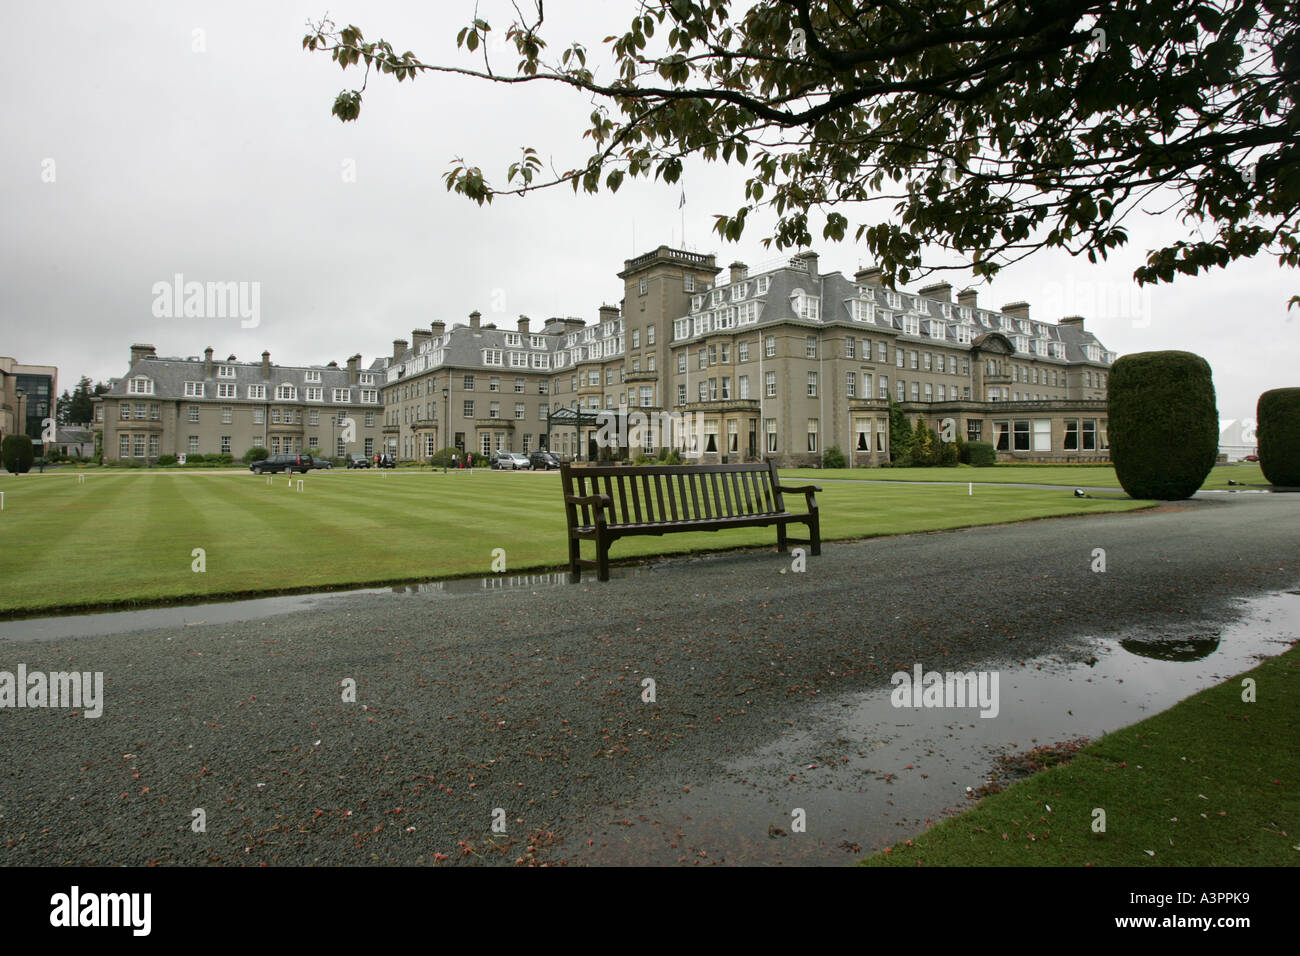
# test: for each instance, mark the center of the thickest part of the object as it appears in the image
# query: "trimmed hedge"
(1164, 424)
(981, 454)
(833, 458)
(1277, 430)
(16, 451)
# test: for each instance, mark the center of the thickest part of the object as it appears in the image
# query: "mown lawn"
(1213, 781)
(1096, 476)
(125, 538)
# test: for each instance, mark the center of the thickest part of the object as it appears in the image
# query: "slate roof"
(169, 376)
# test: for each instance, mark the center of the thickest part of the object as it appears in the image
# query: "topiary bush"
(981, 454)
(1164, 424)
(1277, 431)
(833, 458)
(16, 451)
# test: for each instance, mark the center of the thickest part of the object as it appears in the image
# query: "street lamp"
(446, 415)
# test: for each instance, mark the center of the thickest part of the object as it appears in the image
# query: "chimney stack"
(1074, 321)
(809, 260)
(399, 346)
(139, 352)
(1017, 310)
(266, 365)
(967, 297)
(523, 325)
(438, 327)
(739, 272)
(474, 318)
(353, 362)
(608, 313)
(207, 362)
(871, 275)
(938, 290)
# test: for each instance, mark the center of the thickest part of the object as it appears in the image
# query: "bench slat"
(659, 496)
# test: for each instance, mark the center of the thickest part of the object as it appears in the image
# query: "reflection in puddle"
(227, 612)
(868, 775)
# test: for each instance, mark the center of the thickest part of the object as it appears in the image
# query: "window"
(769, 346)
(1042, 434)
(884, 388)
(643, 287)
(769, 380)
(123, 446)
(928, 362)
(760, 287)
(494, 409)
(1090, 434)
(340, 396)
(850, 347)
(192, 444)
(901, 390)
(805, 306)
(312, 376)
(1071, 440)
(810, 349)
(713, 355)
(913, 358)
(681, 394)
(943, 392)
(469, 383)
(492, 357)
(681, 362)
(704, 391)
(494, 384)
(519, 411)
(742, 352)
(916, 391)
(257, 392)
(193, 389)
(225, 444)
(139, 386)
(812, 384)
(259, 416)
(227, 416)
(851, 384)
(900, 358)
(689, 283)
(286, 393)
(1002, 435)
(194, 413)
(771, 434)
(812, 434)
(1020, 435)
(467, 410)
(681, 329)
(882, 351)
(649, 335)
(929, 392)
(636, 338)
(862, 431)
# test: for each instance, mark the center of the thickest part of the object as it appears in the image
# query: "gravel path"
(532, 701)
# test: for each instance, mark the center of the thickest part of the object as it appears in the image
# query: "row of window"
(1023, 434)
(283, 393)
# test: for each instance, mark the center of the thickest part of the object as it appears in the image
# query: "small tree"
(925, 446)
(16, 450)
(833, 458)
(1278, 432)
(981, 454)
(256, 453)
(900, 433)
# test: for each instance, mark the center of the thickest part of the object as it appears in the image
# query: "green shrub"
(673, 458)
(833, 457)
(195, 459)
(166, 459)
(1278, 433)
(256, 453)
(900, 433)
(17, 453)
(663, 453)
(1164, 426)
(642, 459)
(225, 459)
(981, 454)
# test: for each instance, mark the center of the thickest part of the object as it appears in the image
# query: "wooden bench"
(604, 503)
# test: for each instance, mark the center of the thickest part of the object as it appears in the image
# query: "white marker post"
(970, 488)
(299, 484)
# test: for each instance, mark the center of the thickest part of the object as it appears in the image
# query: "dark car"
(358, 461)
(321, 463)
(543, 461)
(285, 464)
(1252, 458)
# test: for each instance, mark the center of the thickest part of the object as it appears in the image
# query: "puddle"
(226, 612)
(868, 775)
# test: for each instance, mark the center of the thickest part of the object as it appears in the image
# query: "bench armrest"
(799, 489)
(597, 500)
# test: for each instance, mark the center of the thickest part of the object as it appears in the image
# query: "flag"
(683, 202)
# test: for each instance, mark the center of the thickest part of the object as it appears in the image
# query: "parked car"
(285, 464)
(358, 461)
(387, 461)
(321, 463)
(543, 461)
(1252, 458)
(510, 461)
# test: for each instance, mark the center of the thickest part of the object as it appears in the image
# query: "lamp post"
(446, 415)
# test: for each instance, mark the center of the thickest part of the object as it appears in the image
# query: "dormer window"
(286, 393)
(738, 291)
(225, 371)
(512, 339)
(911, 324)
(140, 385)
(894, 299)
(805, 306)
(761, 284)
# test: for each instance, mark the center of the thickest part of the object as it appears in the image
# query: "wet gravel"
(532, 702)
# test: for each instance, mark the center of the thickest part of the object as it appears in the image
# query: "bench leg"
(781, 544)
(575, 560)
(815, 533)
(602, 557)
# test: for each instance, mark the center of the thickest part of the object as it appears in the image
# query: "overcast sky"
(196, 138)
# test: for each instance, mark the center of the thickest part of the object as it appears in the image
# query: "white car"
(514, 461)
